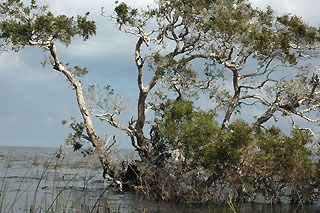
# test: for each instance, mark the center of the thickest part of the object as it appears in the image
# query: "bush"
(283, 165)
(236, 162)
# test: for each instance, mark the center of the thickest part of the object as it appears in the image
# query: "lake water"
(73, 183)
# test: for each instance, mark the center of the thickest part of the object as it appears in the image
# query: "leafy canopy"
(26, 25)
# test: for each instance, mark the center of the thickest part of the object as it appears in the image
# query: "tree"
(253, 49)
(34, 26)
(231, 36)
(261, 56)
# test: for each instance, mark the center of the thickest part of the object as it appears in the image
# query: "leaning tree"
(34, 25)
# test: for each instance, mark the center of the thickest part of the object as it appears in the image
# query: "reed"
(3, 189)
(62, 196)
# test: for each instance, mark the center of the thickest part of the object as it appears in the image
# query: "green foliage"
(125, 15)
(281, 161)
(85, 28)
(283, 152)
(249, 164)
(299, 29)
(80, 72)
(239, 24)
(180, 125)
(294, 31)
(225, 149)
(172, 120)
(23, 24)
(75, 139)
(18, 33)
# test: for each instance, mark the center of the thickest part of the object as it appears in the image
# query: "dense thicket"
(238, 163)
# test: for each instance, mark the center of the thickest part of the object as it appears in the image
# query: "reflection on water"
(75, 183)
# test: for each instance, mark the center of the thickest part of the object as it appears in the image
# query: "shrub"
(234, 162)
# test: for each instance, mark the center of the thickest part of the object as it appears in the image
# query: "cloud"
(76, 7)
(24, 67)
(307, 9)
(8, 61)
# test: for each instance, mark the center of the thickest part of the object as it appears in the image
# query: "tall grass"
(62, 198)
(3, 189)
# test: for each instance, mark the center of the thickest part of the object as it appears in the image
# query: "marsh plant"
(51, 192)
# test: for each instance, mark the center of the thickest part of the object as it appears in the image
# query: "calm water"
(76, 183)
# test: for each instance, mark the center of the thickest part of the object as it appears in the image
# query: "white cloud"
(23, 68)
(307, 9)
(95, 47)
(75, 7)
(8, 62)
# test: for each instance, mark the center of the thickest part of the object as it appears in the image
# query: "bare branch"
(310, 109)
(262, 64)
(294, 126)
(106, 143)
(307, 118)
(110, 119)
(257, 97)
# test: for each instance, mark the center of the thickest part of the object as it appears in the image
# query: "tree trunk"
(235, 99)
(232, 106)
(141, 140)
(264, 117)
(92, 137)
(141, 119)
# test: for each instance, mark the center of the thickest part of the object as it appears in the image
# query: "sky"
(35, 99)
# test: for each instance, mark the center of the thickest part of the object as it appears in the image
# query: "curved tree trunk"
(91, 136)
(143, 94)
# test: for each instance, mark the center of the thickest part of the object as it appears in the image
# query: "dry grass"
(62, 197)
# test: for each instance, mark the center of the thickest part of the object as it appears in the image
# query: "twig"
(94, 206)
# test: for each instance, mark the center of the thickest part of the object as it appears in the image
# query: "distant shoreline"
(49, 147)
(30, 146)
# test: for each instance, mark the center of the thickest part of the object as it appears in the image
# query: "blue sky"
(35, 99)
